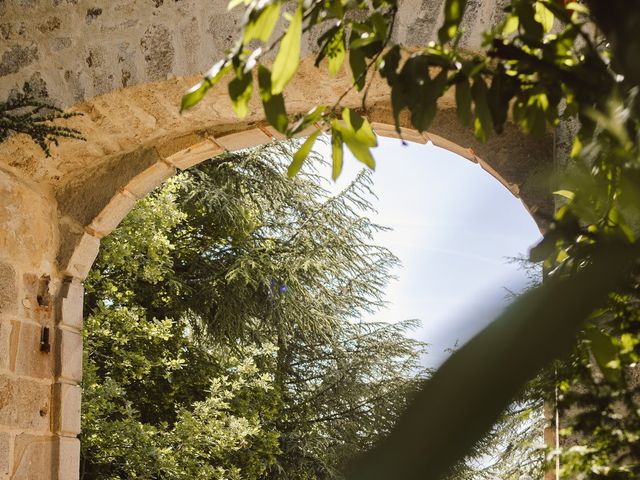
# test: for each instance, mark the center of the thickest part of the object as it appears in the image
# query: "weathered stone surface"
(77, 253)
(17, 57)
(24, 403)
(69, 355)
(71, 303)
(5, 451)
(29, 360)
(245, 139)
(33, 457)
(68, 458)
(151, 178)
(66, 420)
(113, 213)
(187, 151)
(28, 231)
(157, 45)
(37, 300)
(84, 197)
(8, 289)
(5, 342)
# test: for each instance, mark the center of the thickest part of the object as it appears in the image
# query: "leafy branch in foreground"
(528, 66)
(24, 112)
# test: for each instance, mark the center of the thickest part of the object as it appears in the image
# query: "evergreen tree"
(224, 337)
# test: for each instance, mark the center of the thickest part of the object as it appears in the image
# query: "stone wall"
(124, 65)
(39, 396)
(78, 49)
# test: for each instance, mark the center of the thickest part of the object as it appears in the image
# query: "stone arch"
(100, 180)
(116, 63)
(136, 139)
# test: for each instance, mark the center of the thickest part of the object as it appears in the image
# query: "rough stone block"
(85, 196)
(33, 457)
(5, 342)
(152, 177)
(66, 421)
(5, 451)
(25, 404)
(71, 303)
(29, 360)
(111, 216)
(194, 154)
(69, 355)
(77, 253)
(240, 140)
(8, 289)
(68, 456)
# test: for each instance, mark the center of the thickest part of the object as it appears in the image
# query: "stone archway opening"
(62, 207)
(125, 67)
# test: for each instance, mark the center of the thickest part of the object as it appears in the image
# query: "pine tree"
(234, 296)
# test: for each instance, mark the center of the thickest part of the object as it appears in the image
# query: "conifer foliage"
(223, 338)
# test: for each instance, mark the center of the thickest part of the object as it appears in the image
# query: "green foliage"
(223, 339)
(26, 112)
(548, 61)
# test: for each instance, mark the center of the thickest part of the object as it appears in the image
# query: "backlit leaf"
(337, 152)
(605, 353)
(288, 58)
(194, 95)
(357, 133)
(262, 22)
(358, 65)
(453, 11)
(302, 153)
(274, 106)
(336, 52)
(544, 16)
(240, 89)
(198, 91)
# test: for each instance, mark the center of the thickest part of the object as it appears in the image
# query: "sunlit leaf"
(565, 193)
(234, 3)
(357, 133)
(544, 16)
(288, 58)
(337, 152)
(453, 11)
(605, 352)
(336, 52)
(274, 106)
(510, 25)
(302, 153)
(314, 115)
(194, 95)
(198, 91)
(240, 89)
(262, 22)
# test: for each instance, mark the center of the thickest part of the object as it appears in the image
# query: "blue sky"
(454, 226)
